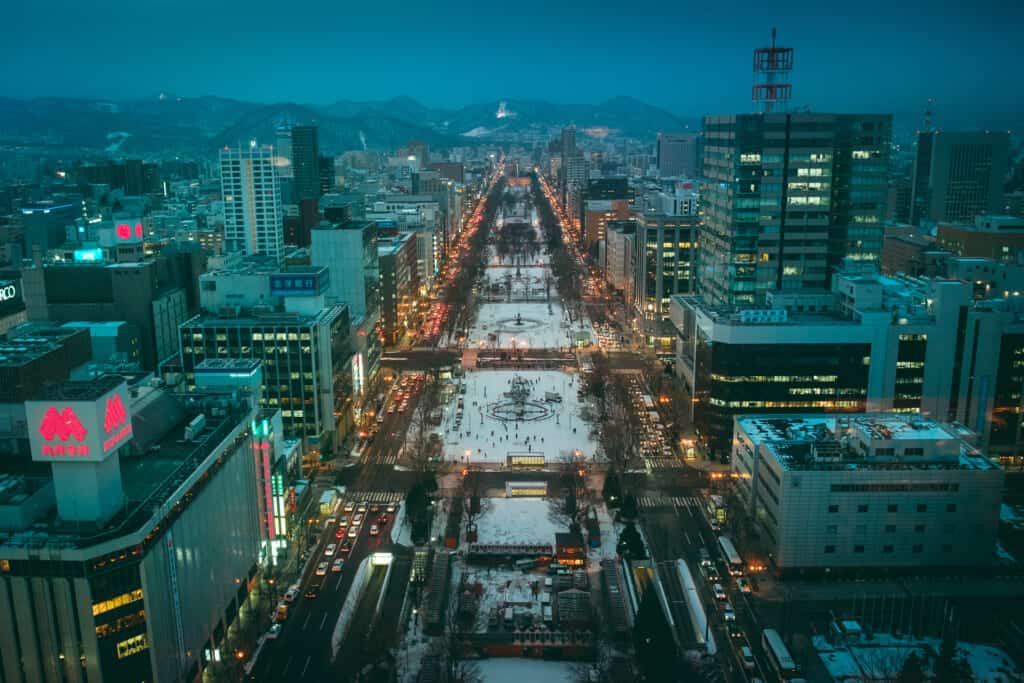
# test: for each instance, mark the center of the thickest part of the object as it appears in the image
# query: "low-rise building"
(871, 491)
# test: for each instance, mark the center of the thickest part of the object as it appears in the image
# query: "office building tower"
(327, 175)
(665, 261)
(873, 343)
(958, 175)
(150, 526)
(603, 199)
(677, 155)
(789, 196)
(306, 162)
(568, 142)
(283, 156)
(876, 491)
(253, 219)
(255, 310)
(348, 250)
(399, 284)
(620, 256)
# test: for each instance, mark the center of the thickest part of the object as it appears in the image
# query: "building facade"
(959, 175)
(678, 155)
(788, 196)
(867, 492)
(253, 218)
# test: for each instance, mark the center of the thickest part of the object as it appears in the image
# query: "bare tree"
(419, 444)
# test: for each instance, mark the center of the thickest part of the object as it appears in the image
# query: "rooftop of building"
(868, 441)
(352, 224)
(262, 316)
(997, 223)
(167, 466)
(30, 341)
(80, 391)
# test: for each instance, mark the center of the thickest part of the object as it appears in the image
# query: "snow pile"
(516, 521)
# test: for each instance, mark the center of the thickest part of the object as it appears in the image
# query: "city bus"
(732, 558)
(778, 656)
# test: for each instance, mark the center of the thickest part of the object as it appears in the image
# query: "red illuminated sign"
(115, 422)
(63, 425)
(124, 231)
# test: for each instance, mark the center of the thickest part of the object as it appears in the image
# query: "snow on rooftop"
(516, 521)
(511, 670)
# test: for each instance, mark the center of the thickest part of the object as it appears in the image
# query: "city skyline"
(371, 55)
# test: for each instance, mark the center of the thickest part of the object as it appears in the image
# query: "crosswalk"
(373, 496)
(663, 464)
(652, 502)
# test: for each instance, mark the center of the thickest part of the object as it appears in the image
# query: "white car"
(350, 506)
(718, 591)
(337, 565)
(728, 612)
(748, 658)
(357, 519)
(291, 594)
(374, 530)
(274, 632)
(391, 508)
(353, 532)
(321, 569)
(331, 549)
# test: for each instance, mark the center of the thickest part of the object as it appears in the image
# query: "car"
(374, 530)
(291, 594)
(330, 549)
(728, 612)
(312, 592)
(382, 520)
(340, 533)
(350, 506)
(712, 574)
(718, 591)
(743, 585)
(390, 509)
(361, 508)
(375, 507)
(321, 569)
(337, 565)
(331, 521)
(747, 657)
(346, 546)
(274, 632)
(353, 532)
(715, 526)
(734, 630)
(343, 521)
(357, 519)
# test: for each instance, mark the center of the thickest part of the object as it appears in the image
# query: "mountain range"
(169, 125)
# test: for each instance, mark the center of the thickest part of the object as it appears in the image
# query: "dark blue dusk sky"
(689, 57)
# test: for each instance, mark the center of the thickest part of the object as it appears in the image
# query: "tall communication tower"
(772, 66)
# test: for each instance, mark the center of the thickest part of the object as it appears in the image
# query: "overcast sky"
(689, 57)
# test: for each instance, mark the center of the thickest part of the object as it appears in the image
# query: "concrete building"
(150, 530)
(44, 224)
(12, 304)
(620, 256)
(113, 339)
(302, 343)
(995, 237)
(147, 294)
(873, 343)
(604, 199)
(958, 175)
(305, 155)
(664, 266)
(867, 492)
(253, 218)
(399, 286)
(678, 155)
(788, 197)
(906, 250)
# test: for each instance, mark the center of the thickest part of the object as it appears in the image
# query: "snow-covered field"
(491, 440)
(512, 521)
(543, 326)
(509, 670)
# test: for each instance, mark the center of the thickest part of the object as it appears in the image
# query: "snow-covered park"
(516, 521)
(506, 412)
(508, 670)
(525, 326)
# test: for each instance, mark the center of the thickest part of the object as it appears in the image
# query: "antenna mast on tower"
(772, 66)
(928, 116)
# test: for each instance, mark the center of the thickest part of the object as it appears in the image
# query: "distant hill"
(168, 125)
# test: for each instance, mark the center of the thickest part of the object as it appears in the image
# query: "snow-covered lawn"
(540, 326)
(490, 440)
(516, 521)
(510, 670)
(502, 588)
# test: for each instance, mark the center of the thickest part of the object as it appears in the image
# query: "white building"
(867, 491)
(253, 219)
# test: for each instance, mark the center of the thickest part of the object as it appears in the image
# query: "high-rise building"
(150, 526)
(958, 175)
(677, 155)
(283, 155)
(664, 267)
(789, 196)
(348, 250)
(883, 491)
(568, 139)
(603, 199)
(253, 219)
(327, 175)
(399, 284)
(306, 162)
(873, 343)
(44, 224)
(620, 256)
